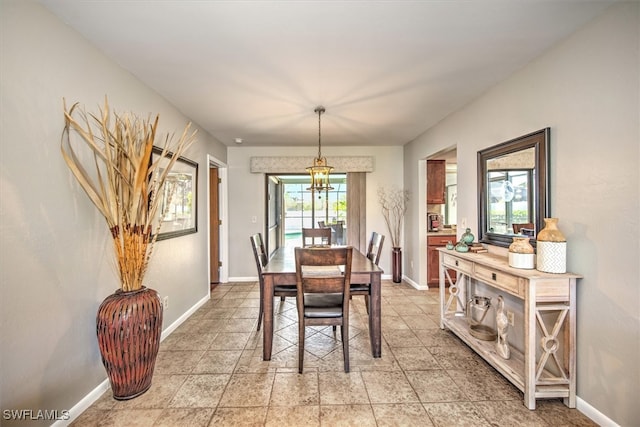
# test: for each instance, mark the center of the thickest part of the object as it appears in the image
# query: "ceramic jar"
(461, 246)
(467, 237)
(521, 253)
(552, 248)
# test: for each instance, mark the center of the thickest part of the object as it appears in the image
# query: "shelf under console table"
(545, 367)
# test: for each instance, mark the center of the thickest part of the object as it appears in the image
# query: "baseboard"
(95, 394)
(415, 285)
(82, 406)
(243, 279)
(595, 415)
(182, 318)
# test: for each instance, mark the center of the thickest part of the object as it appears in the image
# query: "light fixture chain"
(319, 109)
(319, 135)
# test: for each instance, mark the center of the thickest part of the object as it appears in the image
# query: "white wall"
(246, 197)
(587, 90)
(55, 262)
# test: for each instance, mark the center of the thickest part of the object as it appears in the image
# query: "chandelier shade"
(320, 170)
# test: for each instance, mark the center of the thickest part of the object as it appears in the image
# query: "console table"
(546, 366)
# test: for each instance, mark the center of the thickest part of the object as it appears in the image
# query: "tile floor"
(210, 373)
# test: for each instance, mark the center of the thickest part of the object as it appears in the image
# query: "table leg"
(267, 325)
(375, 329)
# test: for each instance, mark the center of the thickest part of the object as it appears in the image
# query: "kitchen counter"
(445, 232)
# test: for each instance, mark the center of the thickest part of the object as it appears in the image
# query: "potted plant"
(125, 185)
(394, 205)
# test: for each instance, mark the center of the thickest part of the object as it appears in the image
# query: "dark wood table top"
(284, 261)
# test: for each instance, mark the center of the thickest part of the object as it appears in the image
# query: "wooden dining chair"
(339, 232)
(261, 257)
(322, 279)
(525, 228)
(373, 253)
(316, 236)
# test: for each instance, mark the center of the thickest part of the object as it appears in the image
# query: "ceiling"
(385, 71)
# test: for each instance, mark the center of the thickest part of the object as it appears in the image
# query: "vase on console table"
(467, 237)
(552, 248)
(521, 253)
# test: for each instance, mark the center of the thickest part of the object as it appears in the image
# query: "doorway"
(441, 208)
(214, 226)
(218, 227)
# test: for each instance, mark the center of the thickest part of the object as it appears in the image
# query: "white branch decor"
(393, 202)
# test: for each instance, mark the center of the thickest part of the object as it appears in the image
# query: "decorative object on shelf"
(467, 237)
(477, 248)
(502, 325)
(552, 248)
(320, 170)
(393, 202)
(461, 246)
(124, 186)
(450, 245)
(521, 253)
(477, 309)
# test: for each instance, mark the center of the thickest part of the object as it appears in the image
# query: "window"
(301, 209)
(510, 199)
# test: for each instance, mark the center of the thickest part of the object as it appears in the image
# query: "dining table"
(281, 270)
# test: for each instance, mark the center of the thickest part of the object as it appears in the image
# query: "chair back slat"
(375, 247)
(316, 236)
(517, 228)
(318, 279)
(259, 252)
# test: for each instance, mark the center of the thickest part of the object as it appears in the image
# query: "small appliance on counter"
(434, 221)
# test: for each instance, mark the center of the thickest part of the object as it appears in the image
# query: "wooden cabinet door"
(433, 259)
(433, 278)
(436, 180)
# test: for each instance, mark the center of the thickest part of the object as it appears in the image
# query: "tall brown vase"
(396, 264)
(128, 325)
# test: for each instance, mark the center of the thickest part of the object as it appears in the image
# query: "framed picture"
(178, 213)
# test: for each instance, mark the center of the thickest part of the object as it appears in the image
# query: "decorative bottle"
(467, 237)
(521, 253)
(552, 248)
(461, 246)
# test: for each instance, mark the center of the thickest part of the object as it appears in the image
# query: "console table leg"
(530, 347)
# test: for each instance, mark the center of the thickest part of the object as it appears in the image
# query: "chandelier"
(320, 170)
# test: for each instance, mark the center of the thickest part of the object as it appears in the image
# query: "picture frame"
(179, 215)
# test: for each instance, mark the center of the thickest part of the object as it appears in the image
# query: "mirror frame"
(538, 140)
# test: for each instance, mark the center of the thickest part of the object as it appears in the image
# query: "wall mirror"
(513, 182)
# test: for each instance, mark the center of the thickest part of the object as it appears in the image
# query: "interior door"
(214, 224)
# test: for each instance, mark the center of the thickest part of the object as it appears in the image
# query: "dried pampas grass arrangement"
(124, 182)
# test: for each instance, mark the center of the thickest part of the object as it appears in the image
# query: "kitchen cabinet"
(436, 181)
(433, 243)
(544, 365)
